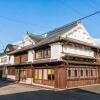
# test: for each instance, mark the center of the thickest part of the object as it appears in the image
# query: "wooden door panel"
(23, 75)
(60, 78)
(17, 75)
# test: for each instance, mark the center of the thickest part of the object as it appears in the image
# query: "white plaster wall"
(11, 59)
(29, 80)
(31, 55)
(7, 59)
(77, 50)
(56, 50)
(11, 77)
(79, 33)
(27, 41)
(19, 44)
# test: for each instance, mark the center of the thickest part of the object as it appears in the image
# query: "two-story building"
(63, 58)
(29, 40)
(5, 60)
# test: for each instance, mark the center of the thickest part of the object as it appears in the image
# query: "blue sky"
(39, 16)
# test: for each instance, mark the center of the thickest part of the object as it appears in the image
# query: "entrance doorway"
(60, 78)
(21, 75)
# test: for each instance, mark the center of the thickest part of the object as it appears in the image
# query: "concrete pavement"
(13, 91)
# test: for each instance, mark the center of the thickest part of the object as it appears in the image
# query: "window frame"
(43, 53)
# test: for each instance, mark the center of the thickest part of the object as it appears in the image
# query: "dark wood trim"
(66, 41)
(74, 79)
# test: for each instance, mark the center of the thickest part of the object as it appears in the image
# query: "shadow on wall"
(73, 94)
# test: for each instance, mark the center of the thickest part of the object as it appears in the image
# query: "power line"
(94, 4)
(76, 11)
(73, 9)
(90, 15)
(97, 24)
(85, 17)
(2, 44)
(22, 22)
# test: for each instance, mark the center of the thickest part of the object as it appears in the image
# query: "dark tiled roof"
(55, 34)
(66, 27)
(45, 61)
(36, 62)
(81, 63)
(52, 36)
(9, 48)
(76, 55)
(21, 50)
(35, 37)
(80, 42)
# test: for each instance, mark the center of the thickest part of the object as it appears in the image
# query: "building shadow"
(6, 83)
(72, 94)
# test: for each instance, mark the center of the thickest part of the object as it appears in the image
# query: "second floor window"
(20, 58)
(3, 59)
(69, 73)
(42, 53)
(39, 54)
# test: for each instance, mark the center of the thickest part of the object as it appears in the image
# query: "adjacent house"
(5, 60)
(63, 58)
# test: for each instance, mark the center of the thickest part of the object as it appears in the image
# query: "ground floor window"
(87, 72)
(75, 72)
(50, 74)
(81, 72)
(38, 73)
(21, 74)
(45, 74)
(69, 73)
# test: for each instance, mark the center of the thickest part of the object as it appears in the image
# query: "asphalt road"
(12, 91)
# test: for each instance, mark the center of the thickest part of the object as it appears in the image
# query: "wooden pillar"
(60, 77)
(4, 72)
(17, 74)
(33, 74)
(30, 71)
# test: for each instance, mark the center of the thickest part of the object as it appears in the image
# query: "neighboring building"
(5, 60)
(65, 57)
(29, 40)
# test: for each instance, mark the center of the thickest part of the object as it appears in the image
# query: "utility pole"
(4, 69)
